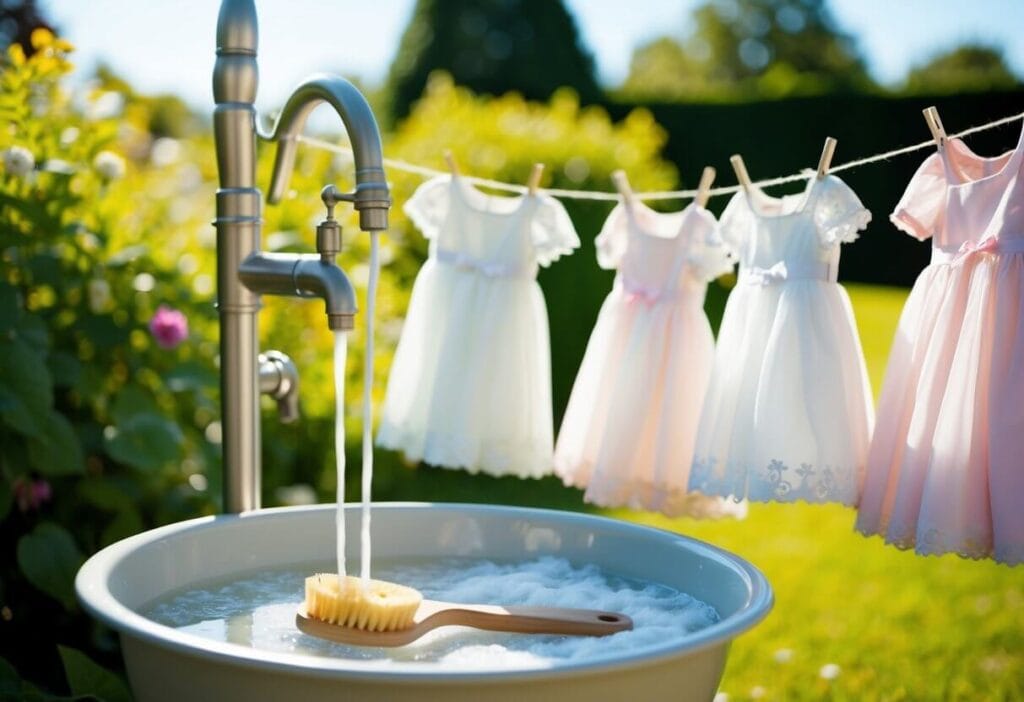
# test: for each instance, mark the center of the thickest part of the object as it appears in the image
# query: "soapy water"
(258, 611)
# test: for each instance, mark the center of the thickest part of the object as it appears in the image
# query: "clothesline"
(425, 171)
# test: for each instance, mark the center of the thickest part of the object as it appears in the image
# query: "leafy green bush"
(104, 431)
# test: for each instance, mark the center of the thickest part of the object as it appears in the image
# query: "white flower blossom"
(721, 697)
(105, 106)
(69, 136)
(109, 165)
(99, 295)
(829, 671)
(165, 151)
(757, 692)
(783, 655)
(18, 161)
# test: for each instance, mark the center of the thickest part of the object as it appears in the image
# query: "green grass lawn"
(899, 626)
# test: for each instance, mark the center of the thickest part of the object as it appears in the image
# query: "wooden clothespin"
(826, 156)
(621, 183)
(450, 160)
(707, 177)
(931, 116)
(741, 171)
(534, 182)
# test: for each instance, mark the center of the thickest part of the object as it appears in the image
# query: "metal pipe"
(371, 198)
(243, 271)
(238, 222)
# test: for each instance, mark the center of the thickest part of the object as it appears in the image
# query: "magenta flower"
(168, 326)
(31, 494)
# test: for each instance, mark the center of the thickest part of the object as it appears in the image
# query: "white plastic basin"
(166, 664)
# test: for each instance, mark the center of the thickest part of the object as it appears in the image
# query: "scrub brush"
(374, 606)
(379, 613)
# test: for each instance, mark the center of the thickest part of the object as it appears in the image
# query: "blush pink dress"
(946, 466)
(628, 432)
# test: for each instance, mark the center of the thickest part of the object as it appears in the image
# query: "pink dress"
(628, 431)
(946, 466)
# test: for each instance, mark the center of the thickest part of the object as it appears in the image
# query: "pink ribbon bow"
(640, 293)
(989, 244)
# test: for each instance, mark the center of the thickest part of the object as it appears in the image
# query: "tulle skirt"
(788, 412)
(628, 431)
(470, 383)
(946, 467)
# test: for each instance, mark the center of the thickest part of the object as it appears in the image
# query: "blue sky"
(164, 45)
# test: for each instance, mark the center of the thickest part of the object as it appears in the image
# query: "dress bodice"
(660, 255)
(960, 200)
(493, 236)
(794, 237)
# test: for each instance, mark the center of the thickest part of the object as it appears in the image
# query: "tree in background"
(972, 67)
(492, 47)
(750, 48)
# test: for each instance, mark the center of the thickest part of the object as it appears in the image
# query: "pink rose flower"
(168, 326)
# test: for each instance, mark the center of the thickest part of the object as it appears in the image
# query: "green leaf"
(49, 559)
(45, 269)
(65, 369)
(25, 373)
(103, 331)
(146, 441)
(130, 402)
(109, 493)
(58, 451)
(10, 308)
(6, 499)
(190, 375)
(32, 328)
(126, 523)
(10, 681)
(85, 677)
(16, 415)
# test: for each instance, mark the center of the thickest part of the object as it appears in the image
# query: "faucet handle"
(279, 378)
(371, 200)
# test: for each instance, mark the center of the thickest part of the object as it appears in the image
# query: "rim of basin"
(91, 585)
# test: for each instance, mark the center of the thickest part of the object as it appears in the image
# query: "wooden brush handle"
(528, 620)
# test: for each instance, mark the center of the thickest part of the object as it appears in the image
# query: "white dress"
(470, 383)
(788, 413)
(628, 432)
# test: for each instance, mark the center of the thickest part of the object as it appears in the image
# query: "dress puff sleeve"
(735, 225)
(428, 206)
(920, 211)
(709, 257)
(838, 212)
(611, 242)
(552, 232)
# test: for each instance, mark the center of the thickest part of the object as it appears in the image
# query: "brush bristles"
(377, 606)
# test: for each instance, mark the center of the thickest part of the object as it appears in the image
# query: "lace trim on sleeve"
(552, 232)
(839, 213)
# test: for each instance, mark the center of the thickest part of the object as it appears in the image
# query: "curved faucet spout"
(371, 196)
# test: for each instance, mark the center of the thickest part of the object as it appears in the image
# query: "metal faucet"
(244, 272)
